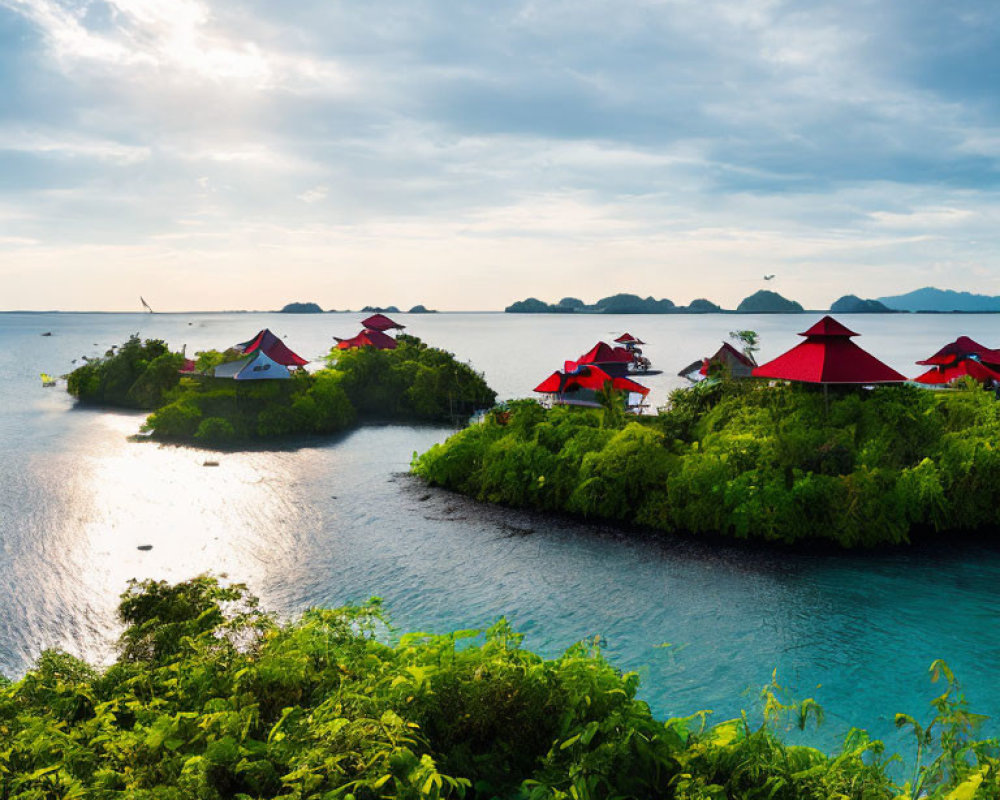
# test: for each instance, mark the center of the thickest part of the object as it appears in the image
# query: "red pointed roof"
(828, 356)
(628, 338)
(602, 353)
(938, 376)
(273, 348)
(368, 338)
(729, 355)
(587, 377)
(962, 347)
(828, 326)
(381, 323)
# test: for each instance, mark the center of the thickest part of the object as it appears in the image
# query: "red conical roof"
(273, 348)
(628, 338)
(380, 322)
(602, 353)
(368, 338)
(588, 377)
(828, 356)
(828, 326)
(962, 347)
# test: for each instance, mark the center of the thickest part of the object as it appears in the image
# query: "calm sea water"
(334, 520)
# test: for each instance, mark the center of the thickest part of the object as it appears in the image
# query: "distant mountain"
(852, 304)
(380, 310)
(943, 300)
(701, 306)
(535, 306)
(302, 308)
(422, 309)
(766, 302)
(571, 302)
(633, 304)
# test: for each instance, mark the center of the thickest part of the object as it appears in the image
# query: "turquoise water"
(332, 520)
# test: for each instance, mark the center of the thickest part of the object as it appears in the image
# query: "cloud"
(683, 143)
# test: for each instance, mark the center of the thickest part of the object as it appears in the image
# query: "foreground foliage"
(413, 383)
(747, 460)
(135, 375)
(211, 698)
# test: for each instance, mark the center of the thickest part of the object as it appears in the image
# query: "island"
(615, 304)
(422, 309)
(768, 302)
(211, 697)
(211, 401)
(741, 458)
(852, 304)
(301, 308)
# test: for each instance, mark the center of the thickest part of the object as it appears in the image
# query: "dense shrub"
(784, 463)
(412, 382)
(211, 698)
(136, 375)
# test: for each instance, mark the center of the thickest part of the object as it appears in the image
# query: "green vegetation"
(212, 699)
(136, 375)
(414, 382)
(748, 460)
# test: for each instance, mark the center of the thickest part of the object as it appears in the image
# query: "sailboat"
(145, 305)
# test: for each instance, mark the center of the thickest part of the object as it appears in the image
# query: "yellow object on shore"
(47, 380)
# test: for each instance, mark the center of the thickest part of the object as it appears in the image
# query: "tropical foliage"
(137, 374)
(414, 382)
(211, 698)
(747, 460)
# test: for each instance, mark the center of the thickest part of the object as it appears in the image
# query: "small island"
(220, 398)
(768, 302)
(852, 304)
(301, 308)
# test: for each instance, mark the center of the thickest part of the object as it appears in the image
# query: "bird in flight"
(768, 277)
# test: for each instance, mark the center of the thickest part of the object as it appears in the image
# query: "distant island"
(942, 301)
(768, 302)
(422, 309)
(301, 308)
(634, 304)
(380, 310)
(852, 304)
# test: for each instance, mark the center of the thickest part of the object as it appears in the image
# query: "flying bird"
(768, 277)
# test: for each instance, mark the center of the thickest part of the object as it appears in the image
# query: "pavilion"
(828, 357)
(962, 357)
(612, 360)
(257, 366)
(273, 348)
(580, 387)
(368, 338)
(380, 323)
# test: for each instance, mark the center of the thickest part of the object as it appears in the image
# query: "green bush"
(211, 698)
(136, 375)
(744, 459)
(215, 430)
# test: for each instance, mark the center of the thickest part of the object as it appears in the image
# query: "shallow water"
(326, 521)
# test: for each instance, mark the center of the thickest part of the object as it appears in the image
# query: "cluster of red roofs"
(373, 334)
(828, 356)
(591, 372)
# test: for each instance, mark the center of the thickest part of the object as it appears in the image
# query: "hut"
(963, 357)
(727, 360)
(257, 366)
(273, 348)
(368, 338)
(828, 357)
(579, 387)
(615, 361)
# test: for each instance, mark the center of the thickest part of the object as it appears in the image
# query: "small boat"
(47, 380)
(47, 333)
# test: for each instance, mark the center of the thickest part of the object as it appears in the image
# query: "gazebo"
(612, 360)
(368, 338)
(255, 367)
(829, 357)
(580, 387)
(273, 348)
(962, 357)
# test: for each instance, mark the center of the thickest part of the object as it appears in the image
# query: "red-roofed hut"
(580, 388)
(962, 357)
(381, 323)
(828, 356)
(273, 348)
(627, 339)
(368, 338)
(613, 360)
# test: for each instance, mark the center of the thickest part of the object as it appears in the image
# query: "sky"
(247, 153)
